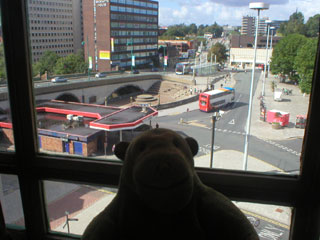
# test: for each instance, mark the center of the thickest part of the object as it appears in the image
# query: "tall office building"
(120, 32)
(54, 25)
(248, 26)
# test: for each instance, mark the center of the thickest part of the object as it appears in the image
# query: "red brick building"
(117, 31)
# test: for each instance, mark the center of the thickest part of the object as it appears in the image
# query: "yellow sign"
(104, 55)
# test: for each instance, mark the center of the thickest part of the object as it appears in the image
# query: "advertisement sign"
(112, 44)
(166, 60)
(90, 62)
(104, 55)
(133, 63)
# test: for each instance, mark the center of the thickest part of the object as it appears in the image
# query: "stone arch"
(127, 90)
(67, 97)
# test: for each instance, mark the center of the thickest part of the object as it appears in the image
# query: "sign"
(112, 44)
(104, 55)
(90, 62)
(101, 3)
(133, 61)
(166, 60)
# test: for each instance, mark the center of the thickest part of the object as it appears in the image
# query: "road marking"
(231, 122)
(266, 219)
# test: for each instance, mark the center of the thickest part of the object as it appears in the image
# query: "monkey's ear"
(193, 144)
(121, 149)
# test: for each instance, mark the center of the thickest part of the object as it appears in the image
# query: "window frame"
(32, 167)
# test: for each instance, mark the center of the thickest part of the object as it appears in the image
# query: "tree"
(73, 63)
(294, 25)
(284, 54)
(218, 50)
(46, 63)
(312, 26)
(304, 64)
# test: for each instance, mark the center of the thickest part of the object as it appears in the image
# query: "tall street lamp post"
(267, 57)
(271, 29)
(255, 6)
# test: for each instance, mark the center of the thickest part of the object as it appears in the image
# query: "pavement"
(297, 103)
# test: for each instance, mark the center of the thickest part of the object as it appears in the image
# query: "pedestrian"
(113, 147)
(157, 125)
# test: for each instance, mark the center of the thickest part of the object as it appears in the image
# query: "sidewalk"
(295, 104)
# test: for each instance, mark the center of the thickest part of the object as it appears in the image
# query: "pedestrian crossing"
(284, 148)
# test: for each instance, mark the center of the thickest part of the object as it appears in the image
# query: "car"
(154, 69)
(135, 71)
(58, 79)
(100, 75)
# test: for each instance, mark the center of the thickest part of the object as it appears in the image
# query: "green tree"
(294, 25)
(46, 63)
(284, 54)
(218, 50)
(312, 26)
(304, 64)
(73, 63)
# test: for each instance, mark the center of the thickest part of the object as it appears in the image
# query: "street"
(230, 130)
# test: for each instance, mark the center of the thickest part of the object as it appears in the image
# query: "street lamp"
(255, 6)
(215, 117)
(271, 28)
(267, 56)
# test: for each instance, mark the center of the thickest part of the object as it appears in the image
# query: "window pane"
(270, 222)
(81, 92)
(6, 131)
(71, 207)
(11, 200)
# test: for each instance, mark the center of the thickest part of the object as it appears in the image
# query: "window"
(49, 147)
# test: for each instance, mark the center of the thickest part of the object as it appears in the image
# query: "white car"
(58, 79)
(100, 75)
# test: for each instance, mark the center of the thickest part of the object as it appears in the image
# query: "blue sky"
(229, 12)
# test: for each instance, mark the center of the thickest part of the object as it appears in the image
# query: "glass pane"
(71, 207)
(94, 82)
(11, 200)
(270, 222)
(6, 131)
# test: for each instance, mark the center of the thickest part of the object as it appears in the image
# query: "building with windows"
(120, 33)
(54, 25)
(249, 23)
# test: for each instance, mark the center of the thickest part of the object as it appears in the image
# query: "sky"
(229, 12)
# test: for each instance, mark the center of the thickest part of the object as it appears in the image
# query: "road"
(230, 130)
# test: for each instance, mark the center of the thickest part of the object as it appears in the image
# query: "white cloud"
(210, 11)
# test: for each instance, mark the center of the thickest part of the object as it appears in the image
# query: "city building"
(120, 33)
(245, 41)
(54, 26)
(182, 45)
(248, 26)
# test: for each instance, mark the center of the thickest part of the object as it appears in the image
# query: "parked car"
(100, 75)
(135, 71)
(154, 69)
(58, 79)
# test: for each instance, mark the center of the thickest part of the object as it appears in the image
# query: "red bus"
(212, 100)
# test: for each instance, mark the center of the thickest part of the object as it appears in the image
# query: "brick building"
(120, 32)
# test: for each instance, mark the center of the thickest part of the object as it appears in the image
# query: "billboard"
(104, 55)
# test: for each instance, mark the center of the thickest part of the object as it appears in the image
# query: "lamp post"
(267, 56)
(255, 6)
(271, 28)
(215, 117)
